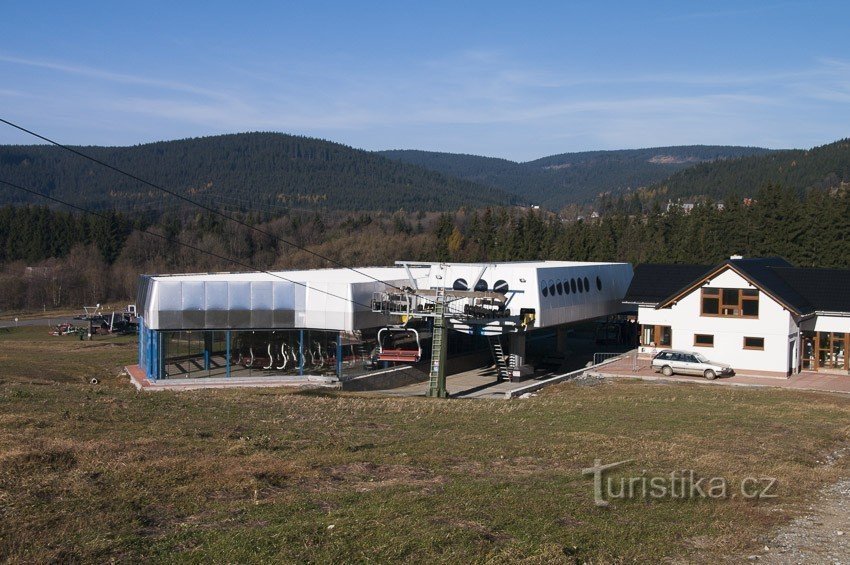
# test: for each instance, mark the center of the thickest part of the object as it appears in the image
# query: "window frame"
(657, 333)
(744, 295)
(696, 340)
(753, 347)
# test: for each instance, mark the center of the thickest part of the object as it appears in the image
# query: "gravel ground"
(821, 536)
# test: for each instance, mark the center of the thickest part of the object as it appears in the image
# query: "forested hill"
(824, 167)
(251, 171)
(569, 178)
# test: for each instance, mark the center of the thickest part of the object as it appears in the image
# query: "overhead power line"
(193, 202)
(178, 242)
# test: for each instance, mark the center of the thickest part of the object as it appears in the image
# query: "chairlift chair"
(389, 348)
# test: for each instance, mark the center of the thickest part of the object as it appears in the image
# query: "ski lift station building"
(327, 322)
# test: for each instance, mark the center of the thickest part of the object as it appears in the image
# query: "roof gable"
(800, 290)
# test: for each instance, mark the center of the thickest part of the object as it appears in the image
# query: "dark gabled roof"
(652, 283)
(801, 290)
(763, 274)
(825, 290)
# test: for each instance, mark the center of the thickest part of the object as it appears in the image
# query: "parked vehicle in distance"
(670, 361)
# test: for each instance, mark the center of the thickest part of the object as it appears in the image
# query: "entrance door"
(807, 345)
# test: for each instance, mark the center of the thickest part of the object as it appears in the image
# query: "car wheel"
(667, 370)
(710, 375)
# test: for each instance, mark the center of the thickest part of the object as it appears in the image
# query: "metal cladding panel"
(239, 295)
(317, 305)
(170, 295)
(216, 319)
(581, 292)
(239, 319)
(262, 304)
(192, 293)
(192, 298)
(215, 295)
(283, 295)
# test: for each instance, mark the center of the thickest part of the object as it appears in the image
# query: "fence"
(636, 361)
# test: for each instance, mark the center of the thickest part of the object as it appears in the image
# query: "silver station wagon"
(670, 361)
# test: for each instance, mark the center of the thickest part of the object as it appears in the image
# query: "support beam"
(207, 349)
(339, 356)
(561, 339)
(517, 347)
(227, 354)
(437, 376)
(301, 352)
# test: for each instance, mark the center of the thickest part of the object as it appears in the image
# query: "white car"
(670, 361)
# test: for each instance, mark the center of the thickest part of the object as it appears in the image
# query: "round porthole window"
(586, 285)
(481, 286)
(598, 284)
(552, 288)
(501, 287)
(460, 284)
(560, 288)
(573, 285)
(566, 287)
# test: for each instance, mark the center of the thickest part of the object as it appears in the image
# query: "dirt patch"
(363, 477)
(821, 536)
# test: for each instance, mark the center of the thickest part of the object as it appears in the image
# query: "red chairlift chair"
(400, 345)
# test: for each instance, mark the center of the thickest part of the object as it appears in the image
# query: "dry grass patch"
(98, 473)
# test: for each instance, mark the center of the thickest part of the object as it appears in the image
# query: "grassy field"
(93, 473)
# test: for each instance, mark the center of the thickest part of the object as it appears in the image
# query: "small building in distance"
(759, 314)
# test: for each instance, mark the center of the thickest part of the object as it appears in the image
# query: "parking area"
(639, 368)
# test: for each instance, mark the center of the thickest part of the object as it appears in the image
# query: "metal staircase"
(499, 359)
(437, 375)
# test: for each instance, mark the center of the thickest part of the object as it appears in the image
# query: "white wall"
(832, 324)
(774, 324)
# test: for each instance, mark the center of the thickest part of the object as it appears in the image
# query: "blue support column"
(160, 361)
(227, 355)
(339, 357)
(141, 343)
(207, 349)
(152, 373)
(301, 352)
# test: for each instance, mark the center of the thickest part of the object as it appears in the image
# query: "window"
(730, 302)
(566, 287)
(703, 340)
(501, 287)
(586, 285)
(460, 284)
(754, 343)
(481, 286)
(573, 285)
(544, 289)
(552, 288)
(656, 336)
(598, 284)
(560, 288)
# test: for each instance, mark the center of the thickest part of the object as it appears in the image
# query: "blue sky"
(518, 80)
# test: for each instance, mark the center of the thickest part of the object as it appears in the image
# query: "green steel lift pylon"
(437, 376)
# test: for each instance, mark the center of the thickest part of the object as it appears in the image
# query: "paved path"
(817, 381)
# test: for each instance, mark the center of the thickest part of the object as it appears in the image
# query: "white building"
(755, 314)
(325, 321)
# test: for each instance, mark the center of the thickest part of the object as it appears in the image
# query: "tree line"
(54, 258)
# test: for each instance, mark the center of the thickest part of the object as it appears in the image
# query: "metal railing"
(602, 357)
